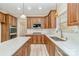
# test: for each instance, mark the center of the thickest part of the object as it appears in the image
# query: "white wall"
(22, 27)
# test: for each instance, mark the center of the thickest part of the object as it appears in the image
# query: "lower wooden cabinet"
(52, 49)
(57, 53)
(50, 46)
(24, 50)
(60, 52)
(37, 39)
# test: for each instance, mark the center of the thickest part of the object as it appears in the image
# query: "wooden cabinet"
(35, 20)
(37, 39)
(34, 39)
(46, 23)
(2, 17)
(24, 50)
(14, 21)
(9, 21)
(73, 14)
(59, 52)
(50, 46)
(28, 23)
(52, 19)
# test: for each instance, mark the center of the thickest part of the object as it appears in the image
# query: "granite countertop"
(8, 48)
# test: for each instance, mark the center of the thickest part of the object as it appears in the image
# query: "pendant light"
(56, 10)
(23, 16)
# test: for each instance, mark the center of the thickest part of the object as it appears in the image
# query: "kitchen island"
(68, 47)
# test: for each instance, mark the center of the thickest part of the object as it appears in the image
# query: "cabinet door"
(53, 19)
(2, 17)
(78, 13)
(46, 22)
(28, 23)
(72, 14)
(35, 38)
(19, 52)
(42, 39)
(39, 39)
(47, 44)
(10, 20)
(49, 21)
(52, 49)
(27, 49)
(14, 21)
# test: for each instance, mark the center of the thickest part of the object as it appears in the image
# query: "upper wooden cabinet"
(11, 20)
(35, 20)
(73, 14)
(52, 19)
(2, 17)
(14, 21)
(46, 22)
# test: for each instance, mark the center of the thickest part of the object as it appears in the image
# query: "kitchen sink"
(56, 39)
(36, 33)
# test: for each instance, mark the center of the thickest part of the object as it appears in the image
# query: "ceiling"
(12, 8)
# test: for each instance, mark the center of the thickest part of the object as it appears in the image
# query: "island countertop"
(8, 48)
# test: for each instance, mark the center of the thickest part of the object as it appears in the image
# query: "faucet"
(62, 36)
(61, 33)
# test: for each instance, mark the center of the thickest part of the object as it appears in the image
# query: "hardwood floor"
(38, 50)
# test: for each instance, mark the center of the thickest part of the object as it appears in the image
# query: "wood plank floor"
(38, 50)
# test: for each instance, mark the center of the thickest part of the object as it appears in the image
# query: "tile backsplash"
(45, 31)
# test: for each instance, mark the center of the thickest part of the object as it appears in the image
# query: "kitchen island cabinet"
(24, 50)
(37, 39)
(50, 46)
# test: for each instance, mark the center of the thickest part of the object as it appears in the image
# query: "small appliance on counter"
(36, 26)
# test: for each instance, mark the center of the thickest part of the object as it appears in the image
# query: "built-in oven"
(13, 32)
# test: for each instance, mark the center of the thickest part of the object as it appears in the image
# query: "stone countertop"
(8, 48)
(70, 47)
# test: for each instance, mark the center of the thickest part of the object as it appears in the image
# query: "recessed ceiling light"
(29, 8)
(19, 8)
(40, 8)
